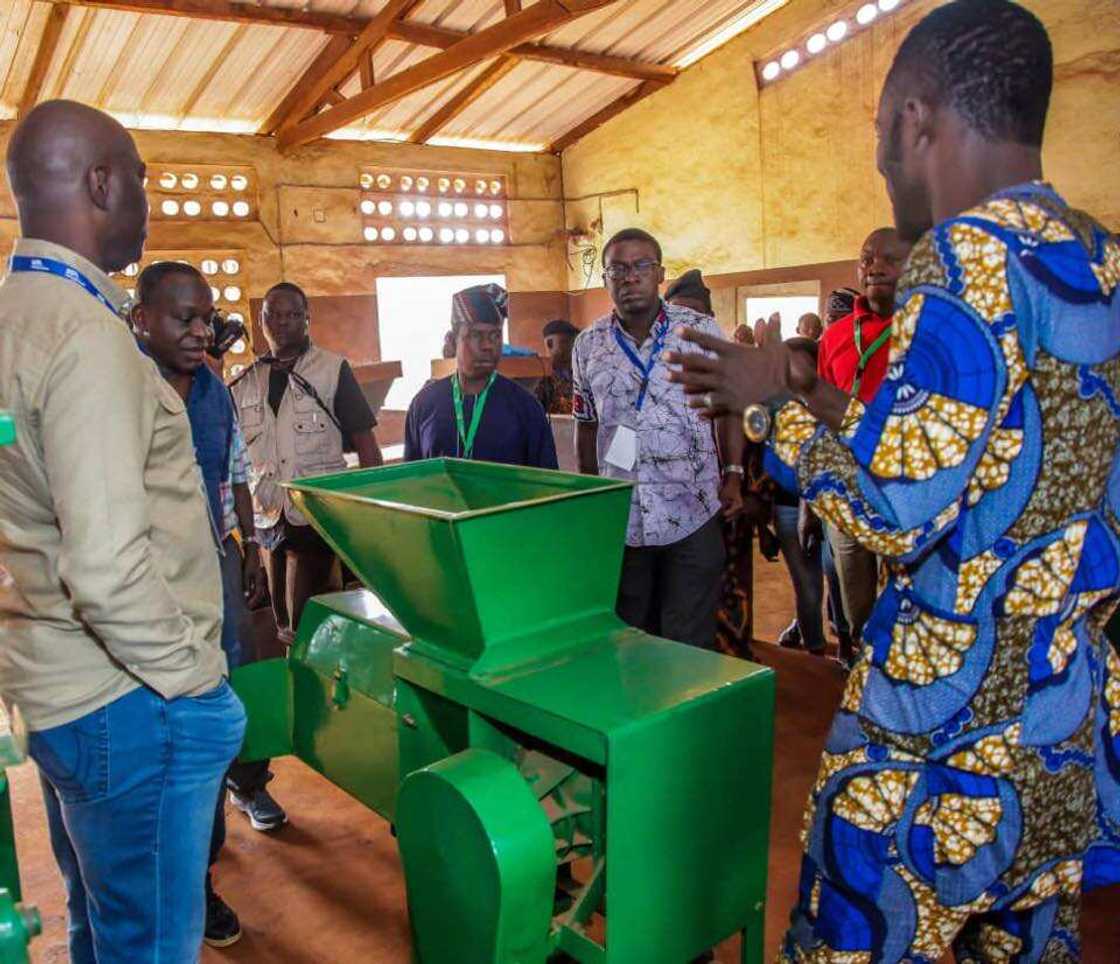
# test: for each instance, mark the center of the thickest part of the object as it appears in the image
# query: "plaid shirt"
(238, 475)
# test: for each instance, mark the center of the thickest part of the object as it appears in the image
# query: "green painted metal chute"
(563, 786)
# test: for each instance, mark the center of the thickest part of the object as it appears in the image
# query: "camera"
(224, 332)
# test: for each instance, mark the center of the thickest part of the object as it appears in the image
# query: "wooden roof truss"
(315, 105)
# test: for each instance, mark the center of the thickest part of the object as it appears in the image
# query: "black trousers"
(673, 591)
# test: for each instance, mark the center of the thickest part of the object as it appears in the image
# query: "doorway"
(791, 300)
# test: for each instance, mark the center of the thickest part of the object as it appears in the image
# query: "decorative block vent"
(433, 208)
(202, 192)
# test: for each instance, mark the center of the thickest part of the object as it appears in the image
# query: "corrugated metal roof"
(176, 73)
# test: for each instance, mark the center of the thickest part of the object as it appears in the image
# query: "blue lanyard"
(646, 368)
(21, 262)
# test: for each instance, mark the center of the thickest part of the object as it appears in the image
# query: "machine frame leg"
(754, 937)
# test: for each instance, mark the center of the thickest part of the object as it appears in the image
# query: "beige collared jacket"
(109, 577)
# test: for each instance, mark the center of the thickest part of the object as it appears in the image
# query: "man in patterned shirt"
(970, 788)
(634, 425)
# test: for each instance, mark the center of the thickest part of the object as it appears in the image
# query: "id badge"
(622, 453)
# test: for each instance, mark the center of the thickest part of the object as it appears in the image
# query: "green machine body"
(561, 784)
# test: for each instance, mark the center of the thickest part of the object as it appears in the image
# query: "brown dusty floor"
(327, 889)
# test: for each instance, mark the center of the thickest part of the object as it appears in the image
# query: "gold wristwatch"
(757, 422)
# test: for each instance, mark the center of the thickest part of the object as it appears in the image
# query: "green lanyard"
(466, 438)
(866, 356)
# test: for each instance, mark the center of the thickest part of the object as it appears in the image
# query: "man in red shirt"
(853, 352)
(853, 357)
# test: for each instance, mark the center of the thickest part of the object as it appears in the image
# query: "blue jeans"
(130, 792)
(805, 571)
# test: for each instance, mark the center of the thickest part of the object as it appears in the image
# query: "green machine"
(562, 786)
(18, 922)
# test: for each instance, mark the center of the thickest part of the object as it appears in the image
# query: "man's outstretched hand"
(734, 376)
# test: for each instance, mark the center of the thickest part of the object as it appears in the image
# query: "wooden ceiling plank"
(599, 118)
(232, 12)
(512, 7)
(334, 49)
(72, 53)
(48, 44)
(158, 80)
(498, 39)
(112, 78)
(200, 88)
(312, 89)
(462, 100)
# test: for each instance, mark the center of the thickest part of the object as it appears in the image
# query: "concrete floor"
(327, 888)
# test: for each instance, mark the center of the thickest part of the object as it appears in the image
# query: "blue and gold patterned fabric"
(970, 786)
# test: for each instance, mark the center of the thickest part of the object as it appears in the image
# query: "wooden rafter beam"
(421, 34)
(427, 36)
(232, 12)
(540, 18)
(48, 44)
(598, 119)
(462, 100)
(365, 70)
(311, 89)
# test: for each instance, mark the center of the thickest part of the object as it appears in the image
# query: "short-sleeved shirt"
(677, 472)
(514, 429)
(351, 407)
(838, 359)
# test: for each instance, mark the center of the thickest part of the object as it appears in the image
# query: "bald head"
(79, 182)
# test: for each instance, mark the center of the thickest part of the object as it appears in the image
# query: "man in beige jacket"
(110, 605)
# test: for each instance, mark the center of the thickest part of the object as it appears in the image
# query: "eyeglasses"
(620, 270)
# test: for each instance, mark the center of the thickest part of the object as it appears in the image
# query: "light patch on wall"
(169, 122)
(484, 144)
(365, 134)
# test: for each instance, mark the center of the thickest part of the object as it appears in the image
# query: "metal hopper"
(477, 560)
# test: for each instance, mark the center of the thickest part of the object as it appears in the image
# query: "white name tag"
(623, 450)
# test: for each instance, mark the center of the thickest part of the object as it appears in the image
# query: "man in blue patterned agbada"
(970, 787)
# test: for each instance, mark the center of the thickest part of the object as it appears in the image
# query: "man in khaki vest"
(301, 408)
